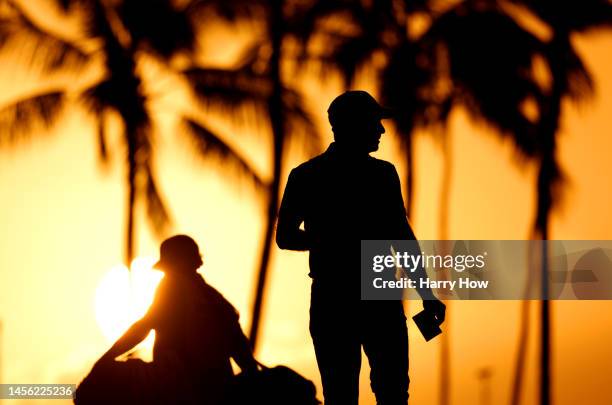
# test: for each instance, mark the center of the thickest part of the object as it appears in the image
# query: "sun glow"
(123, 297)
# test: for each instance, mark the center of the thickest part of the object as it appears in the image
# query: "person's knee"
(340, 378)
(391, 395)
(390, 388)
(340, 395)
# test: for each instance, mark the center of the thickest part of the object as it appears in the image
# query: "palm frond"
(304, 23)
(568, 16)
(67, 5)
(103, 154)
(568, 68)
(210, 145)
(97, 100)
(165, 30)
(157, 212)
(406, 82)
(351, 54)
(234, 87)
(474, 63)
(20, 118)
(202, 11)
(239, 94)
(298, 122)
(42, 48)
(96, 22)
(99, 96)
(352, 32)
(121, 93)
(64, 4)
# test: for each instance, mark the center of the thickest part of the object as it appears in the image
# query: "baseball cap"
(175, 250)
(353, 104)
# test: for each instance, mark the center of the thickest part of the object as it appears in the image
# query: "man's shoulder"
(381, 164)
(311, 167)
(215, 297)
(382, 169)
(312, 164)
(320, 164)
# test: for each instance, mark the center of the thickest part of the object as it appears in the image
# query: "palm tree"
(569, 79)
(460, 65)
(46, 52)
(466, 62)
(535, 137)
(122, 36)
(258, 83)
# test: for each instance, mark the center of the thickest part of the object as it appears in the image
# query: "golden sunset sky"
(62, 218)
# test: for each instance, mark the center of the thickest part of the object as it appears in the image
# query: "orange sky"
(62, 230)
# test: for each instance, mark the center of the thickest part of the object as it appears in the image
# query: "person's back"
(193, 322)
(345, 200)
(197, 332)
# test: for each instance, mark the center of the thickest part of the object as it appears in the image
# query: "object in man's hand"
(427, 324)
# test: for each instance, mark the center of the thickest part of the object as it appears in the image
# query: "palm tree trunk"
(548, 178)
(545, 181)
(120, 66)
(131, 183)
(275, 112)
(266, 251)
(445, 362)
(545, 359)
(521, 355)
(409, 193)
(519, 367)
(409, 175)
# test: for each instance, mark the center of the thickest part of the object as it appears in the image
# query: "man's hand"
(436, 307)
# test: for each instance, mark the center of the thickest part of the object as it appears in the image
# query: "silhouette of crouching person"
(197, 332)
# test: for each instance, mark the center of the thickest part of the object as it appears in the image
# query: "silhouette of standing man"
(344, 196)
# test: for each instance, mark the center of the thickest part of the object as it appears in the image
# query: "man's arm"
(134, 335)
(404, 232)
(242, 353)
(141, 328)
(290, 217)
(240, 349)
(430, 302)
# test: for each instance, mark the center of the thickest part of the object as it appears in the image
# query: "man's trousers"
(340, 327)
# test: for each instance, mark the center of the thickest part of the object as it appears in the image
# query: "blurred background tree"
(122, 37)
